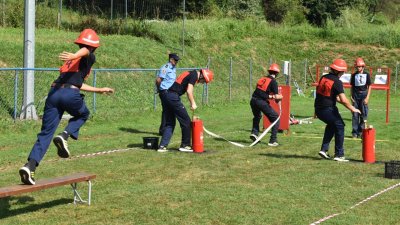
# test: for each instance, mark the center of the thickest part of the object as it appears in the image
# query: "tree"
(319, 11)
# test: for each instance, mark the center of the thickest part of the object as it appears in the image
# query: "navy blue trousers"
(59, 100)
(162, 124)
(174, 109)
(358, 119)
(261, 105)
(334, 127)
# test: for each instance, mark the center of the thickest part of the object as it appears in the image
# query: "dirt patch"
(3, 64)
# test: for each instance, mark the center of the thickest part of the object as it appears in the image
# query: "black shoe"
(62, 146)
(27, 175)
(253, 137)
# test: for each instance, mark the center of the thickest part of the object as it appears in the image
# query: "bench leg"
(77, 197)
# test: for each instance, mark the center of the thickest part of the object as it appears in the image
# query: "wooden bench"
(73, 180)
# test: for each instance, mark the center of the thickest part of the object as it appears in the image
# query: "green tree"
(390, 8)
(277, 11)
(319, 10)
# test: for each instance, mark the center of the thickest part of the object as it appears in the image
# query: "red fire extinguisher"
(197, 135)
(368, 144)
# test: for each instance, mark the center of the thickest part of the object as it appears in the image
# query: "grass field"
(288, 184)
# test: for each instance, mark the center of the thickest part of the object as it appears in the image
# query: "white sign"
(380, 79)
(345, 78)
(286, 65)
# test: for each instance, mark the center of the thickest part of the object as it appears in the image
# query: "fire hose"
(256, 141)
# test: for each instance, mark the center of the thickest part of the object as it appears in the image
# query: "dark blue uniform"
(360, 83)
(64, 96)
(168, 75)
(259, 103)
(174, 109)
(328, 88)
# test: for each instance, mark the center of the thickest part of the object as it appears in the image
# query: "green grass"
(288, 184)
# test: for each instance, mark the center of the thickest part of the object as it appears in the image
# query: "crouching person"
(267, 88)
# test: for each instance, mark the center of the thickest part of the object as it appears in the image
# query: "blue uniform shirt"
(168, 74)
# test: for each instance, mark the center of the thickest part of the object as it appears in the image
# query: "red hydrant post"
(368, 144)
(197, 135)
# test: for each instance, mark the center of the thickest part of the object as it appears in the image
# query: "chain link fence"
(234, 81)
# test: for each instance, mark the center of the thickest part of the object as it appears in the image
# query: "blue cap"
(174, 56)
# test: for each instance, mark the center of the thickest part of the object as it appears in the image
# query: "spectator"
(165, 78)
(360, 82)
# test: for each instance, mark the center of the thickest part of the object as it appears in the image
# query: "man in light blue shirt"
(165, 78)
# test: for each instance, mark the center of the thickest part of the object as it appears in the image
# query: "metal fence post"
(59, 14)
(305, 74)
(204, 96)
(126, 9)
(4, 13)
(15, 95)
(230, 80)
(289, 81)
(395, 81)
(112, 8)
(250, 75)
(183, 27)
(155, 94)
(94, 93)
(28, 108)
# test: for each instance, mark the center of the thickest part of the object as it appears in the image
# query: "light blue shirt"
(168, 74)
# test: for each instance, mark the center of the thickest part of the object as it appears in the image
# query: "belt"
(58, 85)
(166, 91)
(258, 98)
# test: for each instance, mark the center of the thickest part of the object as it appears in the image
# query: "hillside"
(219, 39)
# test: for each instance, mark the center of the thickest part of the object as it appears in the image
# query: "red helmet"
(339, 65)
(88, 37)
(359, 62)
(274, 67)
(207, 74)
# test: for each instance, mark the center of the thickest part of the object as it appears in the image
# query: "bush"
(351, 18)
(295, 16)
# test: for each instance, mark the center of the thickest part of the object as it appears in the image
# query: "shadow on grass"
(135, 131)
(135, 145)
(291, 156)
(5, 205)
(362, 161)
(312, 157)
